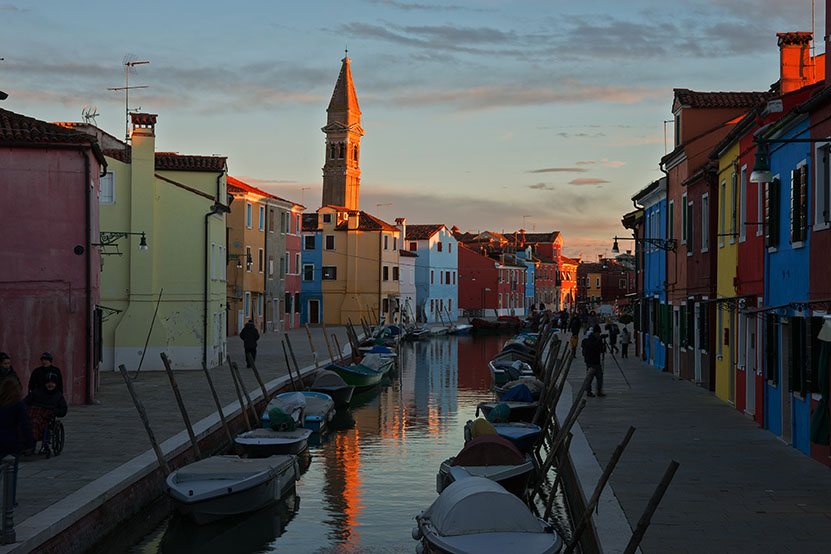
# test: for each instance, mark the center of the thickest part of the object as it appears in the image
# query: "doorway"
(676, 345)
(749, 329)
(697, 342)
(314, 311)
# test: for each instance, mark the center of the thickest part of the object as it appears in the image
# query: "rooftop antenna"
(129, 62)
(89, 114)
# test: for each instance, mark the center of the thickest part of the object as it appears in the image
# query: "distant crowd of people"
(23, 420)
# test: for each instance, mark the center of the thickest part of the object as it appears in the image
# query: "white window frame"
(734, 211)
(297, 263)
(304, 272)
(110, 178)
(743, 203)
(822, 188)
(288, 264)
(213, 261)
(248, 214)
(684, 215)
(261, 222)
(260, 260)
(705, 222)
(722, 211)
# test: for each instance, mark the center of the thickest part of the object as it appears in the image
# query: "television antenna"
(89, 114)
(129, 62)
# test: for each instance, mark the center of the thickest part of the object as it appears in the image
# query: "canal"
(366, 482)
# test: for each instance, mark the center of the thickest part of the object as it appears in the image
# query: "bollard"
(8, 536)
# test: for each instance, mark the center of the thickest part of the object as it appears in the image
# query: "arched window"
(355, 152)
(332, 151)
(342, 151)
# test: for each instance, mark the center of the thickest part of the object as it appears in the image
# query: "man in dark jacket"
(38, 378)
(6, 369)
(593, 347)
(250, 336)
(575, 325)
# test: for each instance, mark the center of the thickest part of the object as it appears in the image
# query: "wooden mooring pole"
(646, 518)
(244, 389)
(257, 377)
(337, 345)
(288, 365)
(181, 403)
(218, 404)
(144, 419)
(328, 346)
(296, 367)
(312, 346)
(239, 394)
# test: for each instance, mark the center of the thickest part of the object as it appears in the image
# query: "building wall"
(478, 281)
(249, 280)
(310, 288)
(42, 279)
(407, 287)
(293, 241)
(655, 275)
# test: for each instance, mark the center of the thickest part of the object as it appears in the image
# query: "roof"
(367, 222)
(177, 162)
(535, 238)
(344, 98)
(235, 185)
(567, 260)
(695, 99)
(309, 222)
(20, 128)
(337, 208)
(422, 232)
(408, 254)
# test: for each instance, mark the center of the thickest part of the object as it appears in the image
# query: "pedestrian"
(6, 369)
(250, 336)
(613, 333)
(15, 429)
(38, 378)
(593, 348)
(572, 342)
(575, 325)
(43, 403)
(625, 339)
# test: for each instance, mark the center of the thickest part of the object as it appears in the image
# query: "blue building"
(436, 270)
(526, 256)
(653, 200)
(788, 329)
(311, 294)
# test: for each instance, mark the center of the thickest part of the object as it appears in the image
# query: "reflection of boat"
(417, 333)
(503, 371)
(245, 533)
(222, 486)
(358, 375)
(493, 457)
(319, 410)
(475, 515)
(262, 442)
(364, 396)
(462, 329)
(523, 435)
(520, 411)
(329, 382)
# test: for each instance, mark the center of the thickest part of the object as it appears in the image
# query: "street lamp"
(248, 261)
(110, 238)
(663, 244)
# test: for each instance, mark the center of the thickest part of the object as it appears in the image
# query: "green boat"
(358, 375)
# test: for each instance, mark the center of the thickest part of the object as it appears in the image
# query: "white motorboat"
(222, 486)
(261, 442)
(476, 515)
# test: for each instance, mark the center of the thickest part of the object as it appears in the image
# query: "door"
(697, 342)
(751, 363)
(676, 345)
(314, 311)
(240, 320)
(785, 385)
(731, 354)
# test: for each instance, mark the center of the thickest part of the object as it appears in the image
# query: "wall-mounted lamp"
(248, 261)
(663, 244)
(110, 238)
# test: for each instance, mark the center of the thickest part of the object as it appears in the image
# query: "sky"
(484, 114)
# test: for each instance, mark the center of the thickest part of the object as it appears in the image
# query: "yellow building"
(730, 178)
(360, 265)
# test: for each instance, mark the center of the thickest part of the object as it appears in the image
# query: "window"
(743, 204)
(260, 260)
(413, 246)
(395, 243)
(248, 257)
(282, 266)
(671, 216)
(270, 221)
(799, 204)
(270, 267)
(772, 214)
(690, 216)
(308, 272)
(327, 218)
(288, 302)
(438, 246)
(395, 273)
(432, 305)
(297, 224)
(297, 263)
(441, 277)
(722, 212)
(432, 277)
(449, 247)
(247, 304)
(330, 273)
(705, 223)
(260, 305)
(309, 242)
(823, 186)
(622, 283)
(333, 150)
(107, 187)
(297, 302)
(450, 305)
(446, 277)
(330, 242)
(684, 218)
(598, 282)
(223, 262)
(288, 264)
(454, 277)
(261, 222)
(771, 349)
(248, 215)
(734, 214)
(386, 242)
(385, 273)
(385, 305)
(213, 260)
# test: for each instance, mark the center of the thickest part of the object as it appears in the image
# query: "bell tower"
(341, 167)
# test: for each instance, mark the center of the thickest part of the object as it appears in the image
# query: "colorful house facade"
(436, 270)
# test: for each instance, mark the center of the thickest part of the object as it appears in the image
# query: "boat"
(463, 329)
(516, 351)
(522, 434)
(417, 333)
(476, 515)
(223, 486)
(261, 442)
(493, 457)
(533, 385)
(378, 362)
(360, 376)
(503, 371)
(520, 411)
(329, 382)
(383, 351)
(318, 412)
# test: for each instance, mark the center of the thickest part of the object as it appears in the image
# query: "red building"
(49, 278)
(478, 282)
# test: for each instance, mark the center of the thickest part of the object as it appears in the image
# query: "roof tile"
(422, 232)
(695, 99)
(20, 128)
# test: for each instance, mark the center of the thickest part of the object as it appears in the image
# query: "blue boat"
(522, 434)
(317, 413)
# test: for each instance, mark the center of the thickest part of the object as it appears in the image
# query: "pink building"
(49, 277)
(291, 319)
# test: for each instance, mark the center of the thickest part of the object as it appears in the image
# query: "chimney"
(354, 220)
(795, 64)
(401, 223)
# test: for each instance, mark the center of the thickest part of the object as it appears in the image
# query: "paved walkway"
(103, 436)
(738, 488)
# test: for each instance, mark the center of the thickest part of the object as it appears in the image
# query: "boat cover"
(318, 403)
(278, 420)
(518, 393)
(231, 468)
(481, 427)
(488, 450)
(478, 505)
(290, 402)
(374, 361)
(267, 436)
(326, 378)
(379, 349)
(534, 385)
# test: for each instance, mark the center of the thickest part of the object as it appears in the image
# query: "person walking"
(6, 369)
(250, 336)
(593, 348)
(575, 325)
(15, 429)
(625, 339)
(38, 378)
(613, 333)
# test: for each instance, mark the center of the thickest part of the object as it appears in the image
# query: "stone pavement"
(738, 488)
(109, 433)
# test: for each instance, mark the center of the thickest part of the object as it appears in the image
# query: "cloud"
(588, 162)
(604, 162)
(6, 7)
(558, 170)
(540, 186)
(410, 6)
(587, 181)
(580, 135)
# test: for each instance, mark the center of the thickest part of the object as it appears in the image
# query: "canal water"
(366, 482)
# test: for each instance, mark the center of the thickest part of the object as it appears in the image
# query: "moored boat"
(519, 411)
(261, 442)
(360, 376)
(503, 371)
(522, 434)
(318, 412)
(223, 486)
(492, 457)
(329, 382)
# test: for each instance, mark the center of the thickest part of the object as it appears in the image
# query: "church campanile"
(341, 169)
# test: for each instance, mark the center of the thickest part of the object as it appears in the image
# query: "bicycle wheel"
(57, 437)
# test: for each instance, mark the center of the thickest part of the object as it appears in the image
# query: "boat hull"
(358, 379)
(340, 395)
(280, 443)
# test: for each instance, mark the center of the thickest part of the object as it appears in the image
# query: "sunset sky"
(476, 113)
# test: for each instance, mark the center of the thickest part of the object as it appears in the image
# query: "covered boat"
(533, 385)
(222, 486)
(522, 435)
(474, 515)
(318, 412)
(493, 457)
(518, 411)
(358, 375)
(503, 371)
(378, 362)
(329, 382)
(262, 442)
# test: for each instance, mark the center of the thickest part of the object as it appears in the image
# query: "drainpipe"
(215, 209)
(265, 268)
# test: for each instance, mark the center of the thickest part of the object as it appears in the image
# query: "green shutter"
(682, 339)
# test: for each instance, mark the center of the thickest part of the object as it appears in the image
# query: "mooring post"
(337, 345)
(558, 480)
(646, 518)
(288, 365)
(328, 346)
(144, 419)
(296, 366)
(257, 377)
(239, 394)
(8, 535)
(218, 404)
(312, 345)
(242, 386)
(181, 403)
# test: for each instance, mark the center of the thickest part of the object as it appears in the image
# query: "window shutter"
(690, 235)
(683, 336)
(823, 179)
(803, 203)
(770, 349)
(812, 363)
(795, 206)
(772, 213)
(793, 355)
